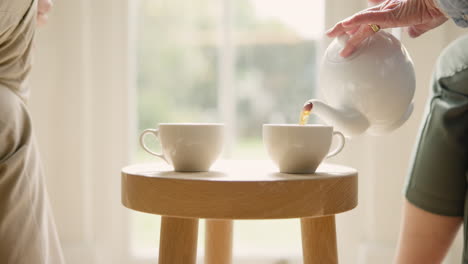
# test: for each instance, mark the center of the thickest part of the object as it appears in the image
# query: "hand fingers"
(370, 17)
(44, 6)
(336, 30)
(42, 19)
(416, 31)
(364, 32)
(353, 30)
(375, 2)
(340, 28)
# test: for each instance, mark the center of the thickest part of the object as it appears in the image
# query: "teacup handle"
(155, 132)
(340, 145)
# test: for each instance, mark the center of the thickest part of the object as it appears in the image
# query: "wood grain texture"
(178, 242)
(319, 240)
(239, 190)
(218, 241)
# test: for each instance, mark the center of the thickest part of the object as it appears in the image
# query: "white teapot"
(370, 91)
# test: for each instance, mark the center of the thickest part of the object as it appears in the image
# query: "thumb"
(417, 30)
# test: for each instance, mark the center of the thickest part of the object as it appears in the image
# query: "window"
(241, 62)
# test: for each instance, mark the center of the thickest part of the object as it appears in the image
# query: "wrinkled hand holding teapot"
(369, 92)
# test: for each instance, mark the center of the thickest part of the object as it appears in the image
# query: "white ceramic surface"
(371, 91)
(188, 146)
(299, 148)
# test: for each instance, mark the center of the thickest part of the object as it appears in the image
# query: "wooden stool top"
(239, 189)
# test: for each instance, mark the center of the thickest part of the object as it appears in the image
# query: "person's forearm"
(425, 237)
(455, 9)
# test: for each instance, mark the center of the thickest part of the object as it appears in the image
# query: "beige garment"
(27, 230)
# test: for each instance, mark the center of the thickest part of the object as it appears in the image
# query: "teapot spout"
(348, 121)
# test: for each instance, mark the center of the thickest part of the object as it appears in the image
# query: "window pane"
(177, 66)
(275, 73)
(177, 81)
(242, 62)
(275, 65)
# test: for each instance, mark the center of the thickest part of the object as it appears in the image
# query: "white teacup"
(188, 146)
(299, 148)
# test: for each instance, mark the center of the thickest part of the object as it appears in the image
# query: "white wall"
(79, 104)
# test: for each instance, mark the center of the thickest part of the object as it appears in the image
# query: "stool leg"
(319, 240)
(178, 242)
(218, 241)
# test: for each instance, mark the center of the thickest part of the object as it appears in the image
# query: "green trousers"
(437, 182)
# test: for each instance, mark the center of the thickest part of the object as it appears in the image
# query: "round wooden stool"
(239, 190)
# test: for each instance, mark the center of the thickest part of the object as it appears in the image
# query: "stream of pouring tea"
(306, 110)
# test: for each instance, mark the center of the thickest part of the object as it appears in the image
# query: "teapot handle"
(340, 145)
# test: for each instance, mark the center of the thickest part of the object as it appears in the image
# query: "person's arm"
(425, 237)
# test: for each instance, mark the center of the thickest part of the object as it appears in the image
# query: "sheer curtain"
(82, 105)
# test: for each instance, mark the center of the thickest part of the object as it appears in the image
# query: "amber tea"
(306, 110)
